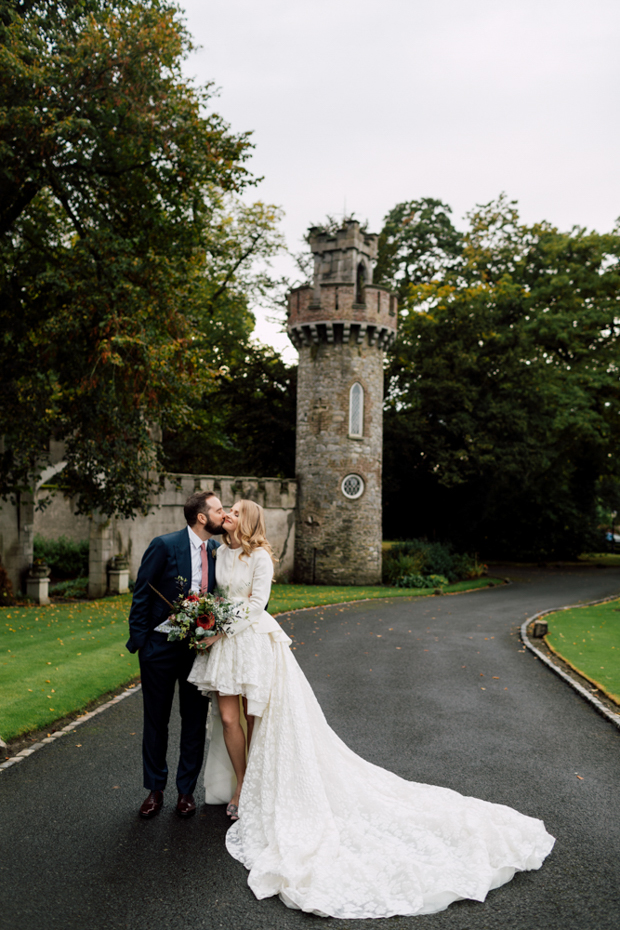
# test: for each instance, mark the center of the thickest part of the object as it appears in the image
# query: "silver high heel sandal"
(233, 811)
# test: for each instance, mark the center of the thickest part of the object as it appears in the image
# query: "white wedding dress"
(328, 832)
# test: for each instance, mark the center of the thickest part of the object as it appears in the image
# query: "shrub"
(74, 587)
(398, 564)
(467, 567)
(66, 557)
(6, 588)
(431, 558)
(419, 559)
(422, 581)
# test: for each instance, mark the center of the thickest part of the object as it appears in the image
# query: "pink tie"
(204, 559)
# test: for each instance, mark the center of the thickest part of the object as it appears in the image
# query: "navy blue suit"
(163, 663)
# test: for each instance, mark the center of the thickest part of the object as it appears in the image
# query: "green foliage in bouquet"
(198, 617)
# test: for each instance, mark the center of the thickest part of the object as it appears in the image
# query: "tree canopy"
(417, 241)
(244, 424)
(126, 256)
(503, 400)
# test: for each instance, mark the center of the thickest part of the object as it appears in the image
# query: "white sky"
(375, 103)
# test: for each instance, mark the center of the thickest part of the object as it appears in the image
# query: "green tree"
(417, 242)
(503, 406)
(242, 421)
(122, 254)
(245, 423)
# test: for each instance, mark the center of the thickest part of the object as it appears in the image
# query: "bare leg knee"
(233, 737)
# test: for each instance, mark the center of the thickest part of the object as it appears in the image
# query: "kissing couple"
(313, 822)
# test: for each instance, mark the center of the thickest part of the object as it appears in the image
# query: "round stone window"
(352, 486)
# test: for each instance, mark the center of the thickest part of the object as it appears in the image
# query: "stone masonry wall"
(114, 536)
(338, 540)
(131, 537)
(17, 529)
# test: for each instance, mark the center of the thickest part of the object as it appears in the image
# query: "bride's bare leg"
(234, 738)
(249, 721)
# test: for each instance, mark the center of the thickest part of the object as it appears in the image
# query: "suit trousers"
(162, 664)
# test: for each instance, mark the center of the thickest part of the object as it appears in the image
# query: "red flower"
(206, 621)
(192, 597)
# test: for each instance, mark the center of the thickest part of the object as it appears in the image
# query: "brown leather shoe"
(153, 804)
(186, 806)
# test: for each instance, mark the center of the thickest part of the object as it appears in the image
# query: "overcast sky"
(370, 104)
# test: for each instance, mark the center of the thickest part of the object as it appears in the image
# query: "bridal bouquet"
(198, 617)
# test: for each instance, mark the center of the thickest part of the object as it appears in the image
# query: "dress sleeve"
(260, 591)
(262, 576)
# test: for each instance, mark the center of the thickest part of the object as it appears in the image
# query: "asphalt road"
(438, 690)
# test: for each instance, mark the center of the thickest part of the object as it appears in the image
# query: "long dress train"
(327, 831)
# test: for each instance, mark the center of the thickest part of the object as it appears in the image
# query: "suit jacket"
(166, 558)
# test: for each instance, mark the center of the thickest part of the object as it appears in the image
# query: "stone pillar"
(37, 589)
(100, 553)
(118, 576)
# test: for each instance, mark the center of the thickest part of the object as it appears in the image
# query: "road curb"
(583, 692)
(68, 729)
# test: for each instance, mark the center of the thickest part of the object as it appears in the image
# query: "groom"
(162, 663)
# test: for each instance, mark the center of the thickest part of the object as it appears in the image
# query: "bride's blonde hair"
(251, 531)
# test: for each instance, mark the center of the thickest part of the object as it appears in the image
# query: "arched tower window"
(356, 410)
(360, 284)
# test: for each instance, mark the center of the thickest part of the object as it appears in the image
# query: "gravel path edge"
(613, 718)
(20, 756)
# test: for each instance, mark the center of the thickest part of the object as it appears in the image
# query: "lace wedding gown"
(328, 832)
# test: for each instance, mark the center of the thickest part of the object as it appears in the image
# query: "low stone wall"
(20, 521)
(114, 536)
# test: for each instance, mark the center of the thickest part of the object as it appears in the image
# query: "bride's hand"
(206, 644)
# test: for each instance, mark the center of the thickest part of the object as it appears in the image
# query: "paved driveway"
(438, 689)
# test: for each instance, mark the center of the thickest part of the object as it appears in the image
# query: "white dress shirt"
(195, 542)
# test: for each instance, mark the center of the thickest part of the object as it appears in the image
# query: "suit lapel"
(184, 558)
(211, 546)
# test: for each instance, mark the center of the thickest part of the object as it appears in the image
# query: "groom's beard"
(216, 529)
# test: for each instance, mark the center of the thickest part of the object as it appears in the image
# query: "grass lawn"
(296, 596)
(588, 638)
(601, 558)
(54, 660)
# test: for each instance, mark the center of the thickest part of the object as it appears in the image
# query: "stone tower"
(340, 326)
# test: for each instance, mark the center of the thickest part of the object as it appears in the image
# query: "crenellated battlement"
(338, 317)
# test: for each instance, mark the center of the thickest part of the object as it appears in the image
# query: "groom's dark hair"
(196, 504)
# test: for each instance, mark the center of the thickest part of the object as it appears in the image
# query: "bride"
(328, 832)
